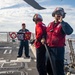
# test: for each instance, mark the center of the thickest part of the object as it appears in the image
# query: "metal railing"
(5, 37)
(71, 43)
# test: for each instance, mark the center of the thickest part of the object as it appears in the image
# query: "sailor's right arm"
(66, 28)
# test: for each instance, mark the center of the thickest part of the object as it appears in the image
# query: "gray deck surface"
(11, 65)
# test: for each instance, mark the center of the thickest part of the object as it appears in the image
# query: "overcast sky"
(14, 12)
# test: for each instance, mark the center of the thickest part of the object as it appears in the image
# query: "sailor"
(56, 32)
(23, 43)
(40, 36)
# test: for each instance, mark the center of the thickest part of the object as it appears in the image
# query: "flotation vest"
(55, 37)
(40, 32)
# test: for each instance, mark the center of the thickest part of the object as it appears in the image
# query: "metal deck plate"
(12, 65)
(12, 73)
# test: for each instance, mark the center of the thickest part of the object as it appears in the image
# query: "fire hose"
(54, 72)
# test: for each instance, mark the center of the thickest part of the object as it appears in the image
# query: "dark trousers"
(57, 56)
(25, 45)
(41, 58)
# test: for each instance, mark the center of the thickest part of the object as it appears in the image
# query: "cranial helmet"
(59, 11)
(37, 17)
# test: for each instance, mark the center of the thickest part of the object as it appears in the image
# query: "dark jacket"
(22, 31)
(66, 28)
(21, 34)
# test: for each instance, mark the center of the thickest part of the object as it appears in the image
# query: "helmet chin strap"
(56, 20)
(37, 22)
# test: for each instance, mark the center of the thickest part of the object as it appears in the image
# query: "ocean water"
(3, 37)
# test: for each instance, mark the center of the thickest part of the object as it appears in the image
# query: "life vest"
(55, 37)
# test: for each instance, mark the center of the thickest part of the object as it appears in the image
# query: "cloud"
(41, 0)
(11, 19)
(7, 3)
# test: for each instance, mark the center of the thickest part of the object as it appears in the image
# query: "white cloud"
(11, 19)
(6, 3)
(41, 0)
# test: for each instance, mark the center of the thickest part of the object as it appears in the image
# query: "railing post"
(71, 50)
(8, 37)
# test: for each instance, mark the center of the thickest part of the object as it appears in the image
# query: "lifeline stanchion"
(54, 72)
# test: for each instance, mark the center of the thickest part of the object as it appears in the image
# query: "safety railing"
(11, 36)
(71, 43)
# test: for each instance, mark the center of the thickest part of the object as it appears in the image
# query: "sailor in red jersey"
(40, 34)
(56, 32)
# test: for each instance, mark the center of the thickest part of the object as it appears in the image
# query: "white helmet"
(37, 17)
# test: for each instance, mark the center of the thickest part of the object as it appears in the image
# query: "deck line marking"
(5, 52)
(10, 51)
(1, 58)
(5, 47)
(26, 65)
(2, 61)
(33, 49)
(2, 65)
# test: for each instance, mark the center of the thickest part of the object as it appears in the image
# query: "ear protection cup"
(64, 15)
(53, 14)
(34, 19)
